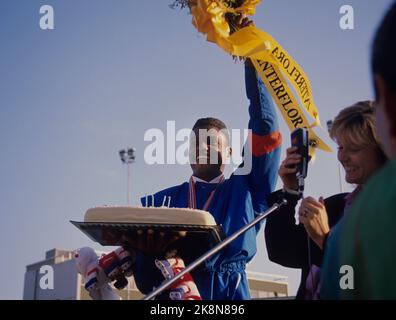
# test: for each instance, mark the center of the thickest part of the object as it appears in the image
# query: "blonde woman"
(361, 154)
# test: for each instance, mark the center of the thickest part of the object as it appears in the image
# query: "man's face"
(209, 151)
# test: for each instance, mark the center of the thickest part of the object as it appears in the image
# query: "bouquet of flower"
(232, 10)
(226, 23)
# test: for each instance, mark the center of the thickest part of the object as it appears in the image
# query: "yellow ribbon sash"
(292, 114)
(272, 62)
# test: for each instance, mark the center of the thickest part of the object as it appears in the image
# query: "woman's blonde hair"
(356, 125)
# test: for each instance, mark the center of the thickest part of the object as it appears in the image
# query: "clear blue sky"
(70, 98)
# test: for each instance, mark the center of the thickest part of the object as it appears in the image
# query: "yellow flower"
(209, 18)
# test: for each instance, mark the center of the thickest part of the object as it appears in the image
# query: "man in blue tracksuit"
(233, 202)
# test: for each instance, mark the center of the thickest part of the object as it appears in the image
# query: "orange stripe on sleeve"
(265, 144)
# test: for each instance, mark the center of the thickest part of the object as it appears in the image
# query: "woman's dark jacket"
(287, 243)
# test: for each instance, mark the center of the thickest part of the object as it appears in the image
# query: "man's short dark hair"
(208, 123)
(383, 60)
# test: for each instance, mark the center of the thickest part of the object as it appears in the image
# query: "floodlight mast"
(128, 157)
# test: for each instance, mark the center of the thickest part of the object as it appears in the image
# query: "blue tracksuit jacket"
(236, 202)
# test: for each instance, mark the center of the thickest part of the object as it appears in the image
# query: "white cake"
(150, 215)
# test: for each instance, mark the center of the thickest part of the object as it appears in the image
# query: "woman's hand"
(288, 169)
(313, 216)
